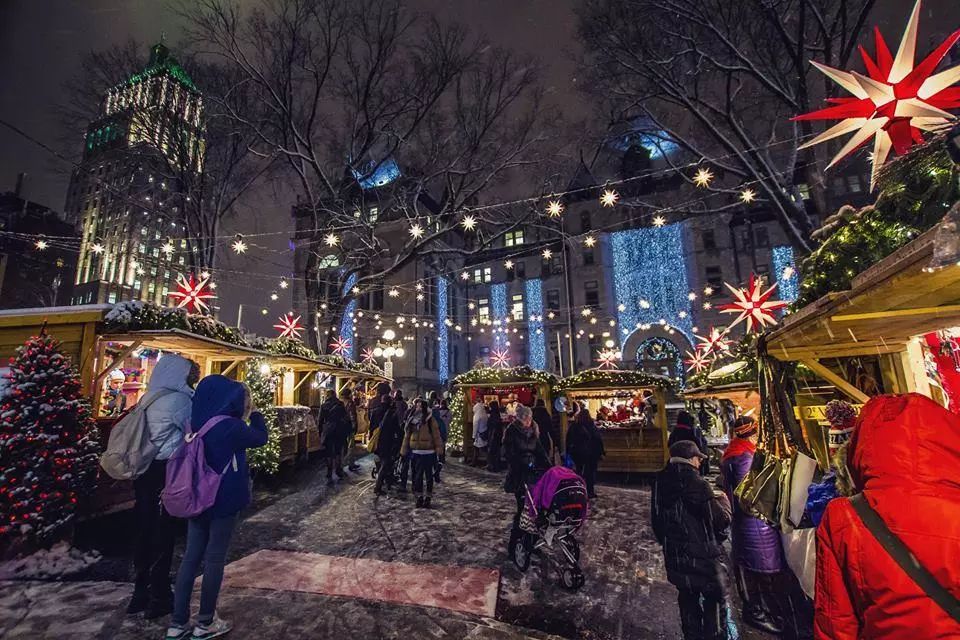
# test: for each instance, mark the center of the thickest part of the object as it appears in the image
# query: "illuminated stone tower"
(126, 194)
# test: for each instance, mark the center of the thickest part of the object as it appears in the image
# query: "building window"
(377, 299)
(853, 184)
(761, 237)
(483, 309)
(709, 240)
(553, 299)
(589, 256)
(482, 275)
(838, 185)
(520, 269)
(112, 297)
(517, 308)
(329, 262)
(591, 291)
(513, 238)
(374, 214)
(714, 277)
(585, 222)
(804, 190)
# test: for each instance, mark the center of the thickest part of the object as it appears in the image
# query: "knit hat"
(745, 426)
(685, 449)
(685, 419)
(116, 374)
(842, 417)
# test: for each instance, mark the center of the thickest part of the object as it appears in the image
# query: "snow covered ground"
(625, 596)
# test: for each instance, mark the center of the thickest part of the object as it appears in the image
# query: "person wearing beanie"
(766, 583)
(686, 429)
(690, 521)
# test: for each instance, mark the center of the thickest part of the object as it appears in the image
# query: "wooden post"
(914, 369)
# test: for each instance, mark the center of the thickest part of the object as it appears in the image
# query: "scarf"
(738, 447)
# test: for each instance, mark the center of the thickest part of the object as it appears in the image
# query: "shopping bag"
(760, 491)
(800, 550)
(373, 441)
(802, 470)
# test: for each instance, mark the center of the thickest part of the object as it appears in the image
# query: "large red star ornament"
(367, 355)
(340, 346)
(697, 360)
(753, 304)
(289, 326)
(192, 294)
(894, 102)
(500, 358)
(714, 342)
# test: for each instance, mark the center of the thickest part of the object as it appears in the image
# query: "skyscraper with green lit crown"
(125, 194)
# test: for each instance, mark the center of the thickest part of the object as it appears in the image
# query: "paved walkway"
(318, 562)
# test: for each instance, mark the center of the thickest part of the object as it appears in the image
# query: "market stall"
(522, 384)
(630, 411)
(894, 331)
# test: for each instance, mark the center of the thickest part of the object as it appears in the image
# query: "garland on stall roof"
(135, 315)
(360, 367)
(612, 378)
(284, 346)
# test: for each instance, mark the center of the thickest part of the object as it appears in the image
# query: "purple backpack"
(191, 486)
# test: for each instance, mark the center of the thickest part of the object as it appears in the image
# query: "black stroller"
(555, 508)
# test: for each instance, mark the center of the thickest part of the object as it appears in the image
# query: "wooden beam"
(233, 365)
(836, 380)
(302, 380)
(895, 313)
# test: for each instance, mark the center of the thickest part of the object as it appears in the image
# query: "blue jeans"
(207, 540)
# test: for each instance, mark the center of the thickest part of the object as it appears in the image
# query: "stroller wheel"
(521, 553)
(571, 578)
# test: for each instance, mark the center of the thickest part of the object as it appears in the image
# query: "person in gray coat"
(169, 401)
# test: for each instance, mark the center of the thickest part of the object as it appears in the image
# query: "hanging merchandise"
(945, 352)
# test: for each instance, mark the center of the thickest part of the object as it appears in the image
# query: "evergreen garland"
(48, 444)
(284, 346)
(263, 389)
(612, 378)
(135, 315)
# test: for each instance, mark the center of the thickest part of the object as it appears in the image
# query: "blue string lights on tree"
(443, 332)
(346, 322)
(785, 273)
(536, 338)
(498, 305)
(650, 278)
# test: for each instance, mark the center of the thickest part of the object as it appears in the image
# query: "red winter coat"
(905, 456)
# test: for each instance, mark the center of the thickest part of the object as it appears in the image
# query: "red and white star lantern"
(340, 346)
(500, 358)
(894, 102)
(192, 293)
(715, 342)
(697, 360)
(753, 304)
(289, 326)
(367, 355)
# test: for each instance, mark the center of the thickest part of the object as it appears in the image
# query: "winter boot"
(426, 502)
(139, 601)
(159, 606)
(420, 502)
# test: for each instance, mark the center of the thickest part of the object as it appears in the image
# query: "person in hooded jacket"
(687, 429)
(168, 400)
(903, 457)
(336, 427)
(542, 417)
(389, 443)
(757, 551)
(208, 535)
(690, 521)
(494, 436)
(585, 446)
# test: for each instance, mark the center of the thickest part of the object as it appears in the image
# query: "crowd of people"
(884, 564)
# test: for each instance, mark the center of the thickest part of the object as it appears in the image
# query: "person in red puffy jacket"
(904, 455)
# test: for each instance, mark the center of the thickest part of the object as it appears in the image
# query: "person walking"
(441, 413)
(168, 403)
(336, 427)
(542, 417)
(690, 522)
(208, 535)
(403, 464)
(687, 429)
(585, 447)
(757, 550)
(389, 443)
(423, 443)
(903, 458)
(349, 399)
(494, 436)
(480, 416)
(526, 462)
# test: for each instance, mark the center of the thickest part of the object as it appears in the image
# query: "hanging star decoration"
(97, 248)
(500, 358)
(697, 361)
(167, 248)
(367, 355)
(715, 342)
(331, 239)
(554, 208)
(753, 304)
(340, 346)
(469, 223)
(609, 197)
(239, 245)
(748, 195)
(289, 326)
(608, 359)
(894, 102)
(703, 177)
(416, 231)
(659, 221)
(192, 294)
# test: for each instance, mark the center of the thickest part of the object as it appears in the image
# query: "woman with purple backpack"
(208, 534)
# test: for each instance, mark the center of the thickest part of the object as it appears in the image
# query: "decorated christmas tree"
(263, 386)
(48, 448)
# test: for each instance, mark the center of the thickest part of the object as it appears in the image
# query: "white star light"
(703, 177)
(283, 284)
(590, 241)
(416, 231)
(469, 223)
(41, 245)
(419, 286)
(659, 221)
(464, 276)
(356, 291)
(97, 248)
(393, 293)
(748, 195)
(167, 248)
(609, 197)
(239, 246)
(555, 208)
(508, 264)
(331, 240)
(547, 254)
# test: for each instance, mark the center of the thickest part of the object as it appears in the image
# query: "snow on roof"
(39, 311)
